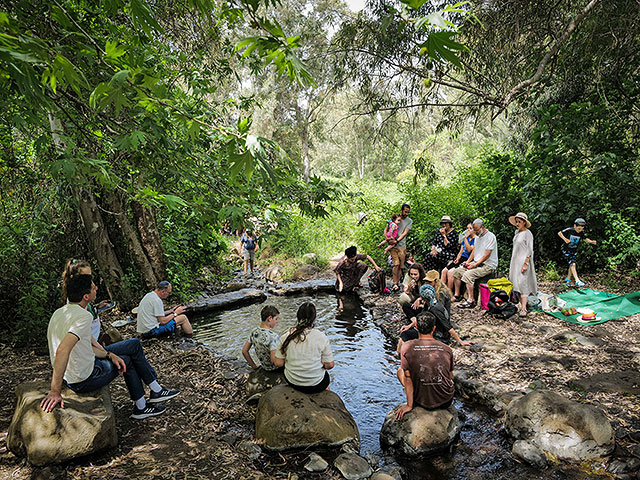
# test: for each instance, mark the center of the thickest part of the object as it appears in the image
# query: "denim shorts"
(160, 330)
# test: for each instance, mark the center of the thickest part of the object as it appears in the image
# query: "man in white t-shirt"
(483, 261)
(154, 320)
(83, 365)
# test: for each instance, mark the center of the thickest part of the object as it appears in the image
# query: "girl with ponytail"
(305, 353)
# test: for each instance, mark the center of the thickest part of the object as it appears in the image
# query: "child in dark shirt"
(572, 236)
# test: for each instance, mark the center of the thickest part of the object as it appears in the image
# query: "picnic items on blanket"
(502, 283)
(604, 306)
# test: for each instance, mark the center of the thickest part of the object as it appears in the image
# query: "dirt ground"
(202, 434)
(520, 354)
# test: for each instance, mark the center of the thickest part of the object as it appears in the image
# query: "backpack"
(249, 243)
(500, 306)
(378, 282)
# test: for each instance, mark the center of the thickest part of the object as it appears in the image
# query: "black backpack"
(500, 306)
(378, 281)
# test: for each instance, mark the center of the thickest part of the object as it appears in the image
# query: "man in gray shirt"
(399, 250)
(482, 261)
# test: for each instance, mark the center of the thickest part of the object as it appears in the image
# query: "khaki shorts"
(397, 255)
(248, 254)
(470, 276)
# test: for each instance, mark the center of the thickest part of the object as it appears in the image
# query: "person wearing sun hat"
(444, 246)
(522, 272)
(572, 237)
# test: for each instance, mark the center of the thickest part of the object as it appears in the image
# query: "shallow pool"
(365, 378)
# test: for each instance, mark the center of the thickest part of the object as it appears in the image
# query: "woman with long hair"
(305, 353)
(443, 294)
(410, 299)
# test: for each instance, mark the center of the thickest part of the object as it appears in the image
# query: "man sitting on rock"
(83, 365)
(426, 370)
(350, 270)
(264, 340)
(154, 320)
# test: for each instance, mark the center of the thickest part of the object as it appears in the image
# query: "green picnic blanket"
(608, 306)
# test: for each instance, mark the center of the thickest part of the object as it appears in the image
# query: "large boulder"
(560, 427)
(420, 431)
(85, 425)
(288, 419)
(261, 380)
(305, 272)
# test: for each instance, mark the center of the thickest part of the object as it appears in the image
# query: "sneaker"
(148, 411)
(580, 284)
(163, 395)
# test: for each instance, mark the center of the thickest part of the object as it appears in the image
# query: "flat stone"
(566, 336)
(528, 325)
(529, 453)
(563, 428)
(382, 476)
(86, 425)
(224, 301)
(546, 330)
(315, 463)
(373, 460)
(305, 272)
(626, 381)
(310, 286)
(261, 380)
(352, 466)
(396, 472)
(420, 431)
(494, 347)
(288, 419)
(590, 341)
(230, 437)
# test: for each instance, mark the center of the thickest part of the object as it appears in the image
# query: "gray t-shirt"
(484, 242)
(263, 341)
(402, 226)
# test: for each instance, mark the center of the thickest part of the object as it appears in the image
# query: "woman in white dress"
(522, 272)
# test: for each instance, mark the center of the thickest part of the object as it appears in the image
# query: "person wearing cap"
(444, 330)
(572, 237)
(444, 246)
(522, 272)
(154, 320)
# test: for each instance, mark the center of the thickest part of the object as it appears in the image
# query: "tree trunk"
(91, 218)
(304, 137)
(100, 242)
(133, 243)
(150, 237)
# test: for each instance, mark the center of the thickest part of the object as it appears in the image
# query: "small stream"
(365, 378)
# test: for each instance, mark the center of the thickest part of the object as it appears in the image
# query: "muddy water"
(365, 379)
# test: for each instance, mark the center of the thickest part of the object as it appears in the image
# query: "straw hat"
(446, 219)
(432, 275)
(521, 216)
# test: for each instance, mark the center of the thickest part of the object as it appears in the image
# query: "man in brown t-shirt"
(351, 269)
(426, 371)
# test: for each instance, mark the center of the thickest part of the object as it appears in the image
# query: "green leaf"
(440, 45)
(119, 78)
(415, 4)
(113, 50)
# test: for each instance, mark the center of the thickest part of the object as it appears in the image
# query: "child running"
(571, 236)
(264, 340)
(391, 231)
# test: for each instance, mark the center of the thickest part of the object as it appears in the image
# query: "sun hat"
(580, 221)
(446, 219)
(428, 293)
(521, 216)
(431, 275)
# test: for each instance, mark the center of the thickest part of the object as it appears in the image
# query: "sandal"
(457, 299)
(467, 304)
(567, 282)
(395, 287)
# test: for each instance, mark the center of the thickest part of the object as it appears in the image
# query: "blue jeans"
(160, 330)
(104, 371)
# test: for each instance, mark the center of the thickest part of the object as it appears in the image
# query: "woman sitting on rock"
(410, 299)
(443, 294)
(305, 354)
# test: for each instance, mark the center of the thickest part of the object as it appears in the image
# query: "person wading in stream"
(350, 270)
(426, 370)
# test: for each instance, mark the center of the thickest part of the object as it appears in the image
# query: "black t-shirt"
(573, 237)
